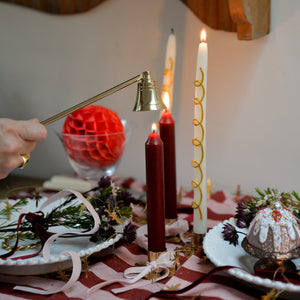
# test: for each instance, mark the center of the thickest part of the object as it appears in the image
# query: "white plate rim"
(214, 239)
(56, 259)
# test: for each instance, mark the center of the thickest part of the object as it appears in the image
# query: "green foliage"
(269, 196)
(111, 203)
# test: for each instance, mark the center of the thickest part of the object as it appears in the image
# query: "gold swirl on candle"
(196, 205)
(168, 72)
(196, 101)
(199, 143)
(198, 83)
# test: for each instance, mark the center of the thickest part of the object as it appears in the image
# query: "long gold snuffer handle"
(92, 100)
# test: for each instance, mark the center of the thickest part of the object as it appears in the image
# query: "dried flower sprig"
(230, 234)
(129, 233)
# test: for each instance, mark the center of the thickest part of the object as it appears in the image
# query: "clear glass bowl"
(94, 156)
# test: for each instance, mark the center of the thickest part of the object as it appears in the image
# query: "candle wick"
(172, 30)
(165, 110)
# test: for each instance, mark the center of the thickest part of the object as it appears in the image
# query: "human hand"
(17, 138)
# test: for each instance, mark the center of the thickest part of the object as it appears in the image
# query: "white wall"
(50, 62)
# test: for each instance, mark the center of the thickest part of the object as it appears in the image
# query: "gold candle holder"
(197, 240)
(152, 256)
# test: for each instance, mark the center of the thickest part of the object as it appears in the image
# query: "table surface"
(17, 182)
(112, 262)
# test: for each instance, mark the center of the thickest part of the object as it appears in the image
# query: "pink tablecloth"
(113, 262)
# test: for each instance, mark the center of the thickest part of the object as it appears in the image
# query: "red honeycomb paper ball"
(94, 136)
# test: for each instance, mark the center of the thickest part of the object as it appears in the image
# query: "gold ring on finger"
(25, 158)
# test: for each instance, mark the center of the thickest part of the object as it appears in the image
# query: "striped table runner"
(111, 263)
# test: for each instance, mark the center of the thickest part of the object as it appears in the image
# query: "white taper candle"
(199, 140)
(169, 70)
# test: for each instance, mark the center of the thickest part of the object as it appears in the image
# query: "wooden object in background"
(58, 6)
(249, 18)
(214, 13)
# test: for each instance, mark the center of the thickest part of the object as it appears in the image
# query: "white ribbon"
(179, 227)
(131, 275)
(76, 261)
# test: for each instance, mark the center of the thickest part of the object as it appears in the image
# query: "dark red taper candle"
(155, 192)
(167, 135)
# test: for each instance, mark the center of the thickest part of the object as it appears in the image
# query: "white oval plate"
(221, 253)
(39, 265)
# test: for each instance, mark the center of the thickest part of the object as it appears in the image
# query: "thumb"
(31, 130)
